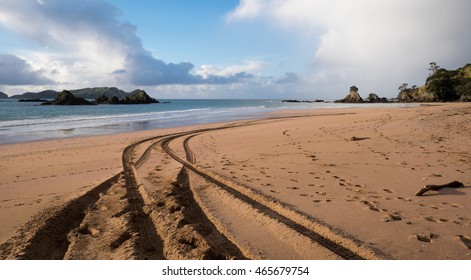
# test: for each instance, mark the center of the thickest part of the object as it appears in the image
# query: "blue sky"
(230, 49)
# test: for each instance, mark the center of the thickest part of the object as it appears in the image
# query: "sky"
(288, 49)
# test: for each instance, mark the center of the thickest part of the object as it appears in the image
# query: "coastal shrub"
(441, 84)
(464, 89)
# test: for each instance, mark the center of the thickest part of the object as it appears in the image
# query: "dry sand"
(326, 184)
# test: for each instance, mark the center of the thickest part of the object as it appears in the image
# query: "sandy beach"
(324, 184)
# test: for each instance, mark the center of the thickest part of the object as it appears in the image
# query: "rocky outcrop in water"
(374, 98)
(136, 97)
(302, 101)
(67, 98)
(352, 97)
(33, 100)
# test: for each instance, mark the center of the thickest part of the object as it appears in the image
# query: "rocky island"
(67, 98)
(302, 101)
(32, 100)
(136, 97)
(354, 97)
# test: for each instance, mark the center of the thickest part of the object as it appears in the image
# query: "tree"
(433, 68)
(441, 83)
(354, 88)
(403, 87)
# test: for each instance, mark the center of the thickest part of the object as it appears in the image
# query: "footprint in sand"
(319, 201)
(371, 206)
(393, 217)
(465, 240)
(425, 237)
(436, 220)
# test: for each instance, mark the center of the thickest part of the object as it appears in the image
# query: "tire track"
(45, 236)
(192, 236)
(297, 221)
(49, 234)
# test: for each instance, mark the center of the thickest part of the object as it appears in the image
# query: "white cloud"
(377, 43)
(253, 67)
(16, 71)
(85, 43)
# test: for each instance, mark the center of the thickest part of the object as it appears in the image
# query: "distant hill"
(93, 93)
(87, 93)
(3, 95)
(46, 94)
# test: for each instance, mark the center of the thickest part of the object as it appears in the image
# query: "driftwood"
(454, 184)
(354, 138)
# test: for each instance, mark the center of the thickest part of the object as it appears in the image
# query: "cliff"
(441, 86)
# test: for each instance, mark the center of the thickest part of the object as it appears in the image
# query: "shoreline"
(372, 175)
(115, 119)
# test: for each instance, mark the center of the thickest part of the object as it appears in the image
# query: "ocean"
(24, 122)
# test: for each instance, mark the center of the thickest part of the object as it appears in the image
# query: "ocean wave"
(98, 119)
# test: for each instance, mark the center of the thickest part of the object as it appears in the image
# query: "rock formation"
(373, 98)
(352, 97)
(137, 97)
(32, 100)
(67, 98)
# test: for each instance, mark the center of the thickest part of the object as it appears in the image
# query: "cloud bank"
(86, 42)
(376, 43)
(16, 71)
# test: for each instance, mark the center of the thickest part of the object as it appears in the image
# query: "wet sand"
(325, 184)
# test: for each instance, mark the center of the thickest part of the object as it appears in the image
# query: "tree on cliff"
(433, 68)
(441, 83)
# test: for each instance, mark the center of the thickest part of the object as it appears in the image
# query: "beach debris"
(466, 241)
(424, 237)
(392, 217)
(355, 138)
(454, 184)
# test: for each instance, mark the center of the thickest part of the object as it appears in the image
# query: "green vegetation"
(442, 85)
(354, 89)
